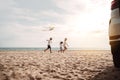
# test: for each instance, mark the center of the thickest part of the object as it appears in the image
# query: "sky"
(26, 23)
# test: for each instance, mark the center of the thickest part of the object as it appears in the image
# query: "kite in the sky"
(50, 28)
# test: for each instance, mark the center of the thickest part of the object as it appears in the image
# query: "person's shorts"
(49, 46)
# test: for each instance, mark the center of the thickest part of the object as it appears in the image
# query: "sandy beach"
(71, 65)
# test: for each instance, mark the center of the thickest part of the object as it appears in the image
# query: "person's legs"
(49, 47)
(65, 48)
(61, 50)
(46, 48)
(50, 50)
(115, 49)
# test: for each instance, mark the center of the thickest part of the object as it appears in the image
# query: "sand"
(71, 65)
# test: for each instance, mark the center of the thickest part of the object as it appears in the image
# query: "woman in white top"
(65, 45)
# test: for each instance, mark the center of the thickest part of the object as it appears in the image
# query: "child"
(61, 47)
(49, 45)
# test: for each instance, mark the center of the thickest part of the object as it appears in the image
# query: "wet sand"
(71, 65)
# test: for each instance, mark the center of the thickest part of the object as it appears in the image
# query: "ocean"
(22, 49)
(40, 49)
(30, 49)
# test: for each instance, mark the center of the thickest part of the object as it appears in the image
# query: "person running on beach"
(49, 45)
(65, 45)
(61, 47)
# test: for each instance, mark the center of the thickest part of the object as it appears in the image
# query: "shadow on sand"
(110, 73)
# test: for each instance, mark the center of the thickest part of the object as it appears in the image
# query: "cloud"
(38, 8)
(22, 21)
(6, 8)
(71, 6)
(37, 5)
(37, 12)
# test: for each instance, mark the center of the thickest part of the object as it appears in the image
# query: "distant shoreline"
(41, 48)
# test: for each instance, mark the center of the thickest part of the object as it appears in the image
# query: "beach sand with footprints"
(71, 65)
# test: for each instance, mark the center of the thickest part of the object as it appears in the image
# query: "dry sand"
(71, 65)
